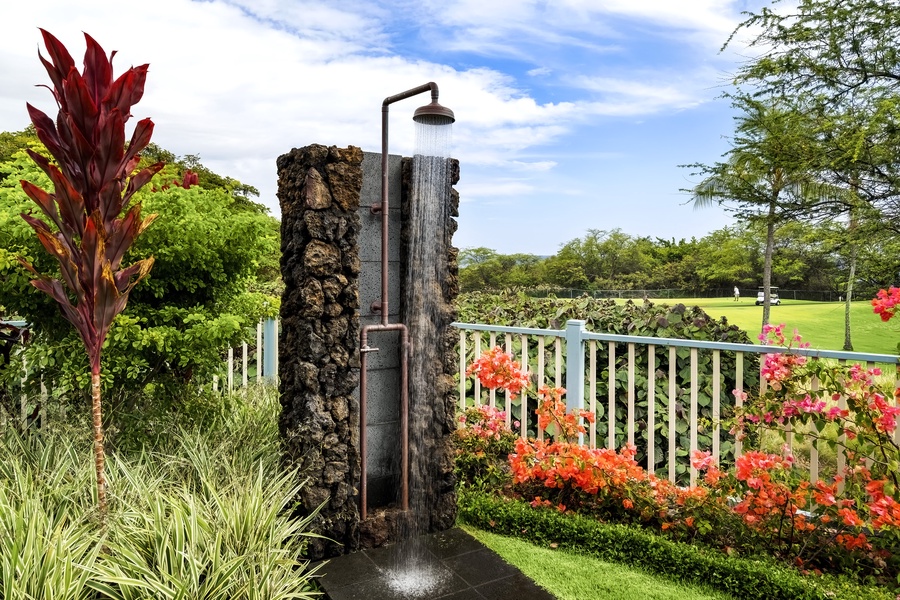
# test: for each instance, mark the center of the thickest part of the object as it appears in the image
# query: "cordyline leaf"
(121, 237)
(45, 201)
(57, 248)
(138, 180)
(107, 301)
(92, 255)
(110, 150)
(126, 280)
(97, 69)
(46, 132)
(55, 290)
(127, 90)
(69, 202)
(62, 60)
(82, 110)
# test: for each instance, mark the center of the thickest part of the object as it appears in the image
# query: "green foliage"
(745, 578)
(645, 319)
(570, 575)
(216, 274)
(806, 256)
(204, 513)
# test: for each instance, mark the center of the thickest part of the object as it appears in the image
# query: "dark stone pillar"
(318, 189)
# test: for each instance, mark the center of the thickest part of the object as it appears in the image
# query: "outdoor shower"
(430, 114)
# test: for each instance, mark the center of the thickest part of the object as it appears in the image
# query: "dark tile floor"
(452, 565)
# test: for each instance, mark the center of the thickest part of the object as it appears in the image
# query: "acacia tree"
(766, 176)
(93, 181)
(838, 60)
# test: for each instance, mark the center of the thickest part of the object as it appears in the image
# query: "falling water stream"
(413, 576)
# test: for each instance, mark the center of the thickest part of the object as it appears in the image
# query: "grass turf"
(572, 576)
(820, 323)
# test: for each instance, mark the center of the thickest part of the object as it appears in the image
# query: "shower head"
(434, 114)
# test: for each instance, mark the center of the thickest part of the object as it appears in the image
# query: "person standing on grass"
(737, 294)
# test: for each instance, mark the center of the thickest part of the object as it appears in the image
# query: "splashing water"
(413, 576)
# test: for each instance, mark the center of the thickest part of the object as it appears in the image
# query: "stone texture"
(319, 193)
(320, 332)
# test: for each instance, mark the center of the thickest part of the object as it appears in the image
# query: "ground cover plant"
(204, 513)
(762, 506)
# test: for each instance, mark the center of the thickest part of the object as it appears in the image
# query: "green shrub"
(749, 579)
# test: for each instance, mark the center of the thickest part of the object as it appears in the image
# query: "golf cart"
(774, 300)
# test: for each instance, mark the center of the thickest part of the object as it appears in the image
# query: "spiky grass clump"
(207, 517)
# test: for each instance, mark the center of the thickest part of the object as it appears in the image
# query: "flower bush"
(483, 442)
(761, 505)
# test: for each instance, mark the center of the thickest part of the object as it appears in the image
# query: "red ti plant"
(94, 181)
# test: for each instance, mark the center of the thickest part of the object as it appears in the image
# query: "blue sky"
(571, 114)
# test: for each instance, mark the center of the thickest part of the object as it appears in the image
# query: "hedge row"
(745, 578)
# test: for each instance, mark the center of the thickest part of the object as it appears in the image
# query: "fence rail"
(603, 361)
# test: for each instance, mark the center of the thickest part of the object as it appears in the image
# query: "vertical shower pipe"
(382, 307)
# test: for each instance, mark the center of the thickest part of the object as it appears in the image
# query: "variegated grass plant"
(208, 518)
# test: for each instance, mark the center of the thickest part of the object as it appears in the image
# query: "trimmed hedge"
(745, 578)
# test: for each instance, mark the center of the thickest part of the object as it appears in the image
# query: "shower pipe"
(444, 115)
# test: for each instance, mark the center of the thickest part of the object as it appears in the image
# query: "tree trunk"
(99, 455)
(851, 230)
(767, 264)
(848, 344)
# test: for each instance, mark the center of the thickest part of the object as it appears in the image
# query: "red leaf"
(110, 146)
(62, 60)
(43, 199)
(47, 133)
(138, 180)
(97, 70)
(82, 112)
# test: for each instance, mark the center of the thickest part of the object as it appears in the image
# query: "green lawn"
(570, 576)
(820, 323)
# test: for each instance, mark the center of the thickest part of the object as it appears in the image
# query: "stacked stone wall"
(318, 189)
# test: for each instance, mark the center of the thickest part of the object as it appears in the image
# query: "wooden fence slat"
(631, 393)
(592, 432)
(492, 394)
(673, 360)
(523, 414)
(611, 413)
(693, 418)
(462, 369)
(651, 408)
(739, 390)
(716, 403)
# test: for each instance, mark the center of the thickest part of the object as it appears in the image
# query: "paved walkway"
(451, 565)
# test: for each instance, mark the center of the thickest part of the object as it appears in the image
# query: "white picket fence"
(266, 359)
(546, 350)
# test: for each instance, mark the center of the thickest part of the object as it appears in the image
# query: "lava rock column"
(319, 192)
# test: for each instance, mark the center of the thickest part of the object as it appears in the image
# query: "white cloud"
(240, 82)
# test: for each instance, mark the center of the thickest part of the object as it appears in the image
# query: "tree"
(838, 60)
(87, 233)
(767, 176)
